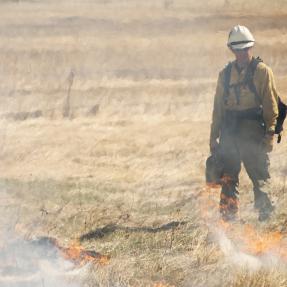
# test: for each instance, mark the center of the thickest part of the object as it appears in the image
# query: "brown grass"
(127, 177)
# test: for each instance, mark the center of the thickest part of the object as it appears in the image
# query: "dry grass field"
(105, 111)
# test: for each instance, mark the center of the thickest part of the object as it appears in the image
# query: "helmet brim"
(241, 46)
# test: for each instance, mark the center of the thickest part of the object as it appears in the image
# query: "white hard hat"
(240, 38)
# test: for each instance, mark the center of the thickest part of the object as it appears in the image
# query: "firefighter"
(243, 124)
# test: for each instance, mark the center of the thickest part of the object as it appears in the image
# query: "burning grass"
(247, 238)
(128, 181)
(170, 252)
(76, 253)
(44, 262)
(171, 239)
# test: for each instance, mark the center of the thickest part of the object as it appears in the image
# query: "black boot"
(257, 199)
(264, 206)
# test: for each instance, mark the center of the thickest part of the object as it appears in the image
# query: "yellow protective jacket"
(265, 86)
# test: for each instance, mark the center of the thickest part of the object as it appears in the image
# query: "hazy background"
(105, 111)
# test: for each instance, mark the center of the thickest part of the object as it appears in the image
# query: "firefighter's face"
(243, 56)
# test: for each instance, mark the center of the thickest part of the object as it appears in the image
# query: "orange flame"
(104, 260)
(75, 252)
(226, 179)
(259, 244)
(251, 240)
(256, 243)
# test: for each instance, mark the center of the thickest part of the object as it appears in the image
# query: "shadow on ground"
(111, 228)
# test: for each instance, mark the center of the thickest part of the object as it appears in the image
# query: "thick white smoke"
(36, 263)
(235, 255)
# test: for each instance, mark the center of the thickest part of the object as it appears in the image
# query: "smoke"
(37, 263)
(31, 263)
(234, 254)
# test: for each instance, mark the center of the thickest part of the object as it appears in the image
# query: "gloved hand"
(268, 142)
(213, 145)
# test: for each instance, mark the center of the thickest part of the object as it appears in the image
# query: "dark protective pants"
(243, 145)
